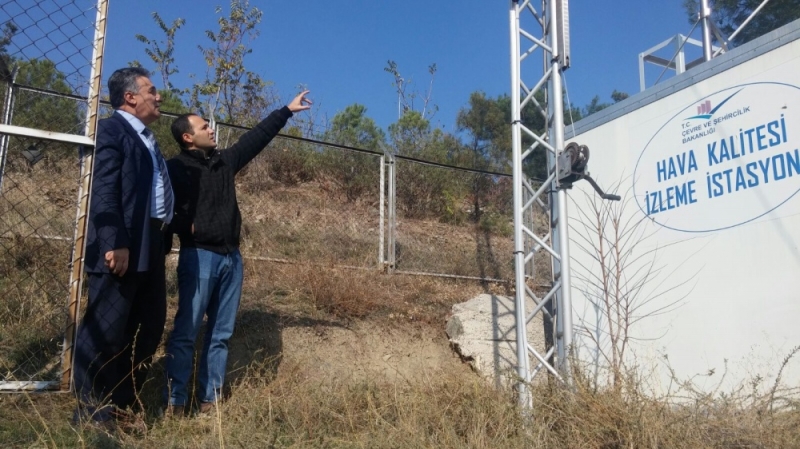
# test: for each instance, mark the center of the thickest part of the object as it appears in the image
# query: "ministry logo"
(705, 111)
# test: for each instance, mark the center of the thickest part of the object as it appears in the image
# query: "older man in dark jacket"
(130, 208)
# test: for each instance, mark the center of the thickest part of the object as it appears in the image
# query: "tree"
(485, 123)
(8, 32)
(411, 134)
(162, 57)
(624, 282)
(43, 111)
(532, 116)
(355, 173)
(618, 96)
(406, 99)
(596, 105)
(728, 15)
(172, 102)
(423, 190)
(229, 90)
(482, 121)
(37, 110)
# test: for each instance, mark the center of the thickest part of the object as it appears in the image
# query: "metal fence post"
(84, 190)
(381, 206)
(392, 214)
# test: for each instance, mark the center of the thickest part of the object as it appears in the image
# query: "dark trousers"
(120, 332)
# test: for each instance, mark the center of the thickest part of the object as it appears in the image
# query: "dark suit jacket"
(119, 211)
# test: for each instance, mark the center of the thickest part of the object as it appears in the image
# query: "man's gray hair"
(124, 80)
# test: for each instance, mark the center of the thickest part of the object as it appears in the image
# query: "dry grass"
(632, 417)
(313, 223)
(442, 410)
(277, 401)
(322, 291)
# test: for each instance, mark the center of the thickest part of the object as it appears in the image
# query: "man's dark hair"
(180, 126)
(124, 80)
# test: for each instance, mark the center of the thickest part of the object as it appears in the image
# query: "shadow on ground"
(255, 351)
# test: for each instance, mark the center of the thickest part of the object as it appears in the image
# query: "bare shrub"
(625, 286)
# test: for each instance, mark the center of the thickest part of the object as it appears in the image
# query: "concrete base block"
(483, 332)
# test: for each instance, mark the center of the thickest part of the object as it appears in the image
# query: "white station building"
(708, 167)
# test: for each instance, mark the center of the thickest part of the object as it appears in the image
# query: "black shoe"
(92, 417)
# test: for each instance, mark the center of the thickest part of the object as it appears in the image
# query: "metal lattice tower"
(540, 29)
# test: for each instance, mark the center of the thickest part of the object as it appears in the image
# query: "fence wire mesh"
(302, 201)
(51, 41)
(307, 202)
(37, 219)
(46, 50)
(453, 222)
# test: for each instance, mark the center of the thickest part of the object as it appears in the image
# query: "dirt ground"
(322, 351)
(366, 350)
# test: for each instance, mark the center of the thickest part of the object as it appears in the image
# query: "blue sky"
(339, 49)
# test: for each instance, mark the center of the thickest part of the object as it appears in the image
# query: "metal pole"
(392, 215)
(560, 237)
(399, 109)
(705, 16)
(382, 205)
(546, 98)
(528, 222)
(680, 55)
(642, 85)
(8, 113)
(84, 190)
(523, 371)
(550, 319)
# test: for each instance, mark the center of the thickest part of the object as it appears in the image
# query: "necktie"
(162, 168)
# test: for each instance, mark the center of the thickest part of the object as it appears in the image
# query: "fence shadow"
(488, 264)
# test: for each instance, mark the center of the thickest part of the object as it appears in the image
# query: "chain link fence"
(453, 222)
(309, 201)
(306, 201)
(47, 54)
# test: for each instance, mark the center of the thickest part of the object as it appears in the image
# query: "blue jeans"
(208, 284)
